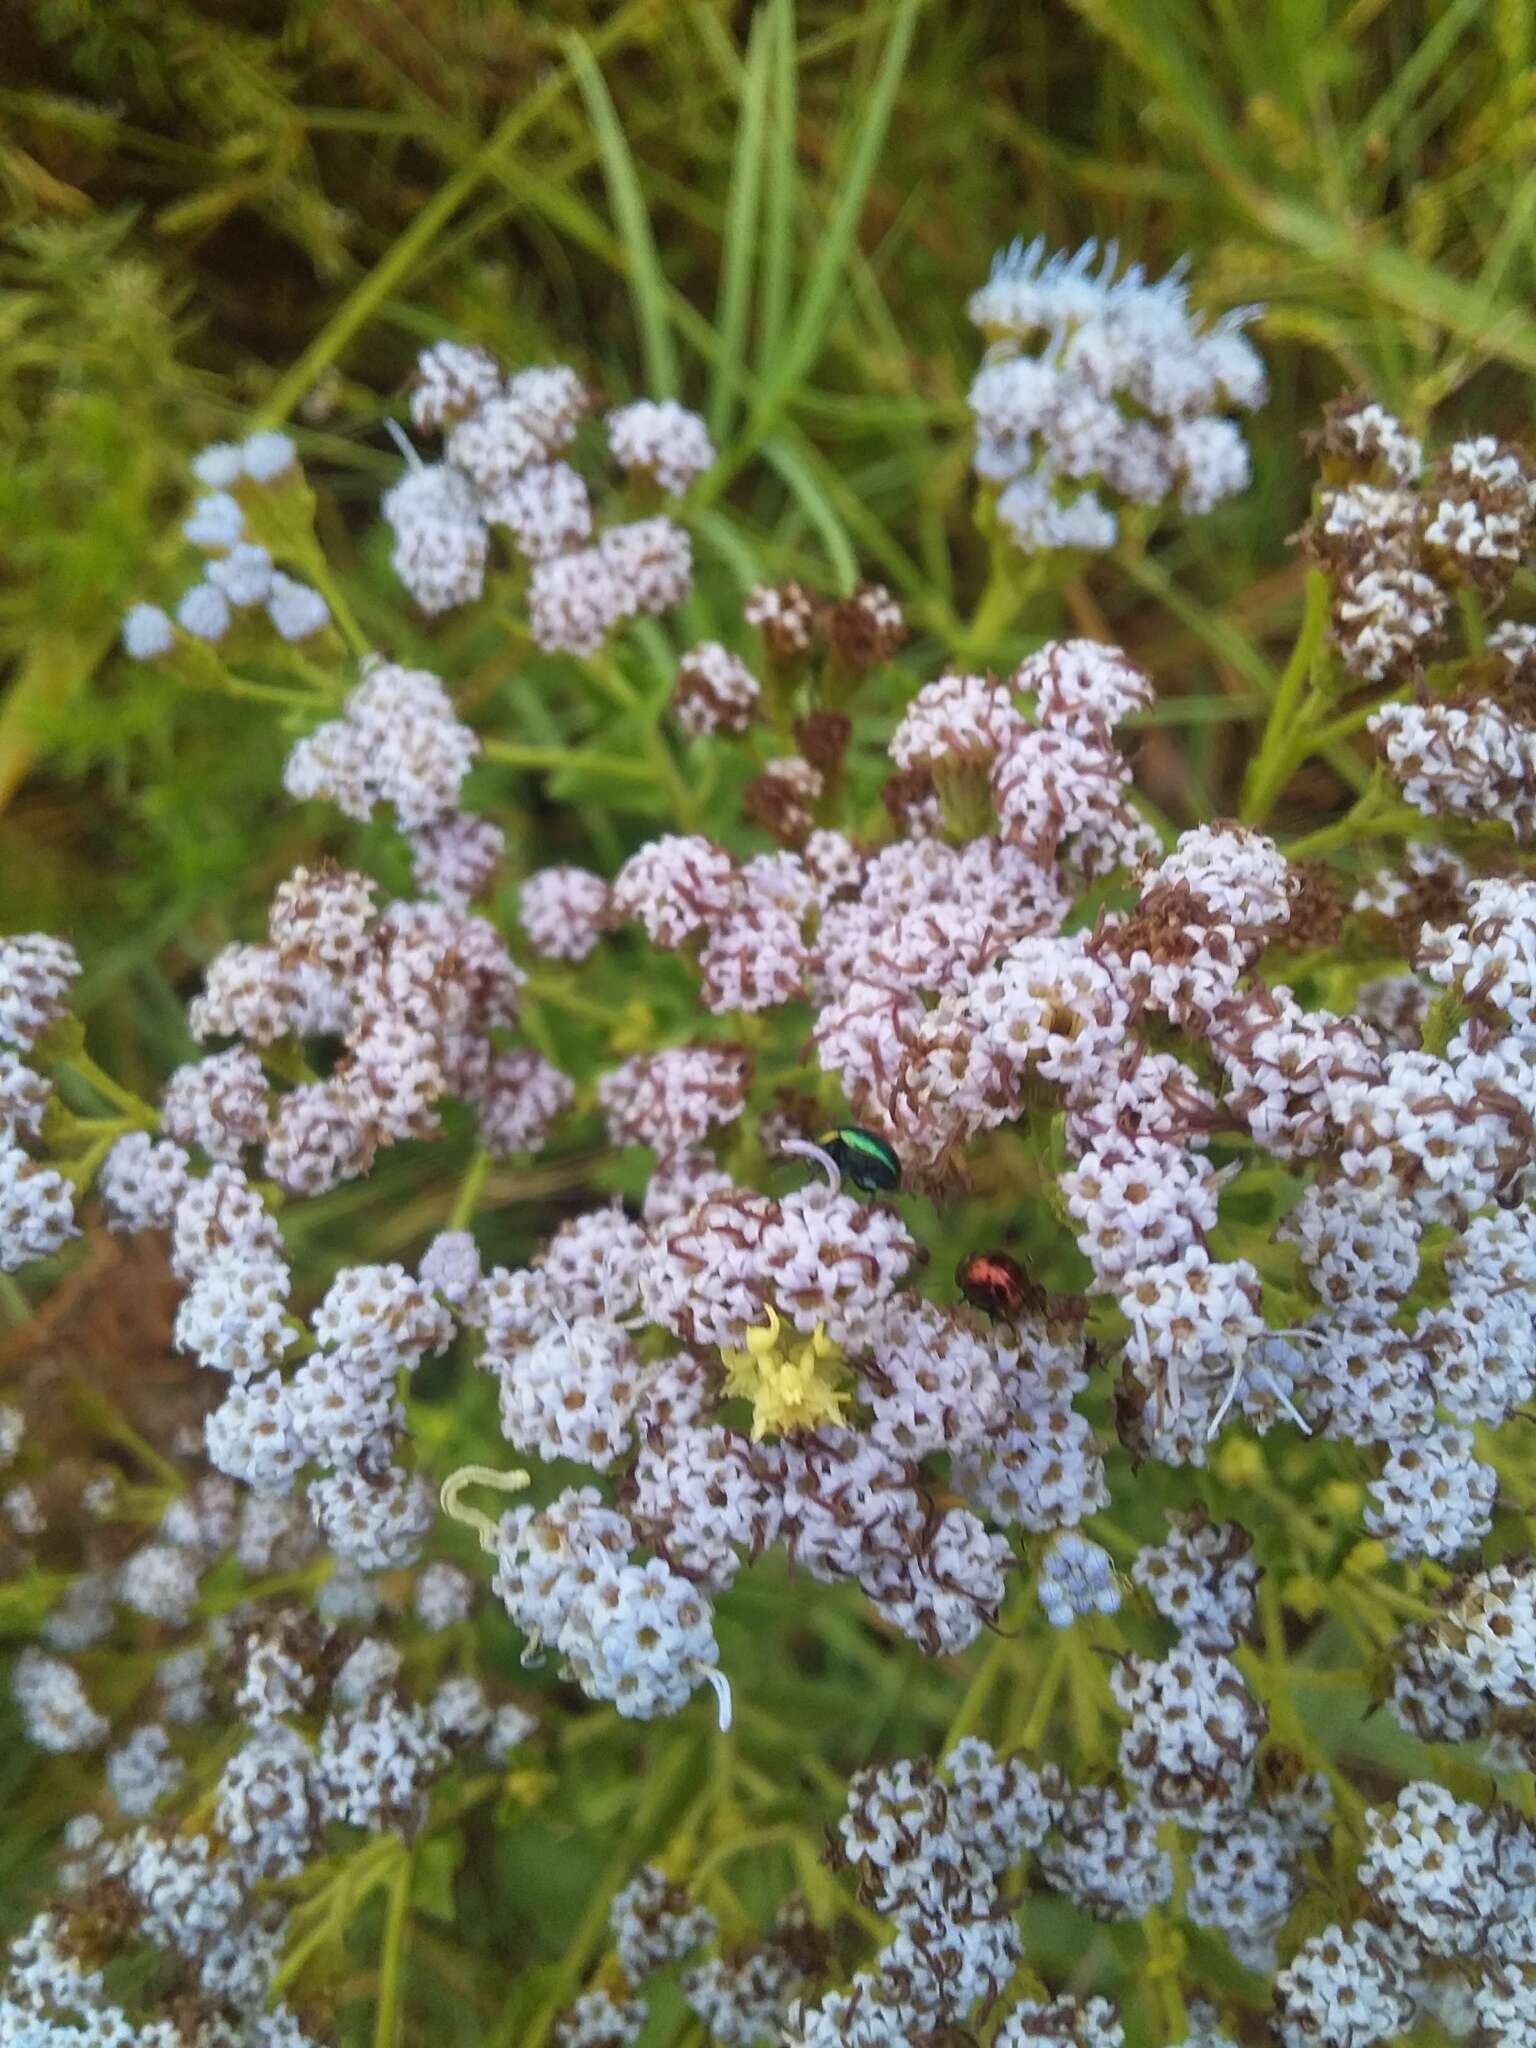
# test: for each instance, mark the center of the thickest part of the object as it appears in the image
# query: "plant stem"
(601, 669)
(1351, 722)
(82, 1171)
(266, 693)
(392, 1955)
(133, 1106)
(1084, 1680)
(1005, 596)
(319, 573)
(968, 1713)
(325, 689)
(540, 990)
(1165, 1954)
(588, 1938)
(1045, 1698)
(97, 1412)
(1366, 820)
(516, 755)
(471, 1187)
(1277, 756)
(410, 247)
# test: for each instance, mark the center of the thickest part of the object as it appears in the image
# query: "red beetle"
(997, 1285)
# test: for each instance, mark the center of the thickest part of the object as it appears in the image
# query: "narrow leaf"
(741, 216)
(647, 285)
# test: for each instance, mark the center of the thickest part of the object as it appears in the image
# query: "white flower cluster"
(326, 1733)
(506, 449)
(1194, 1732)
(1202, 1579)
(715, 691)
(323, 1741)
(1076, 1578)
(931, 1856)
(1397, 544)
(939, 1857)
(1470, 1671)
(637, 1634)
(1271, 1216)
(54, 1708)
(37, 1203)
(240, 575)
(1103, 388)
(1469, 759)
(1451, 1888)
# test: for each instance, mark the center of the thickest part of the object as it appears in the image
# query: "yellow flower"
(793, 1382)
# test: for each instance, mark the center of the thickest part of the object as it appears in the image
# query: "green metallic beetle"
(862, 1158)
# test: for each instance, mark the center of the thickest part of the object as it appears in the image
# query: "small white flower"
(215, 523)
(204, 612)
(296, 611)
(147, 632)
(264, 457)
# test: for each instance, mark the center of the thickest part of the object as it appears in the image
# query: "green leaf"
(741, 215)
(819, 296)
(647, 285)
(779, 222)
(818, 509)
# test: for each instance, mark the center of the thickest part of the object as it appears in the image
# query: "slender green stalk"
(386, 2025)
(588, 1937)
(134, 1107)
(15, 1303)
(471, 1187)
(97, 1412)
(1039, 1718)
(1165, 1957)
(1009, 589)
(266, 693)
(647, 283)
(403, 255)
(515, 755)
(81, 1172)
(985, 1678)
(603, 672)
(318, 571)
(1277, 759)
(1368, 819)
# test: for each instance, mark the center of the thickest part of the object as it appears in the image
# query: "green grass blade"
(817, 300)
(402, 256)
(1419, 69)
(647, 284)
(779, 214)
(1494, 333)
(814, 502)
(719, 532)
(741, 216)
(1226, 641)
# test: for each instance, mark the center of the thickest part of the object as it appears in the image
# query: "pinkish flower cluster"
(1399, 541)
(506, 467)
(1222, 1194)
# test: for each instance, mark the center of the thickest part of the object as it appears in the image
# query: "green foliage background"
(777, 214)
